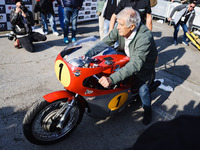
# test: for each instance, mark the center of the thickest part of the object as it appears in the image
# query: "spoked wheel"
(40, 125)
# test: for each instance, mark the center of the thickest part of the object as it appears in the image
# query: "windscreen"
(76, 54)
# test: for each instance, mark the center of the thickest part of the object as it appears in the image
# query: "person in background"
(100, 5)
(22, 20)
(136, 40)
(71, 9)
(108, 9)
(185, 14)
(61, 13)
(45, 7)
(142, 6)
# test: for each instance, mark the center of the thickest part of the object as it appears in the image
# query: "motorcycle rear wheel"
(39, 128)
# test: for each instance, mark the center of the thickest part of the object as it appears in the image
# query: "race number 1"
(62, 73)
(118, 101)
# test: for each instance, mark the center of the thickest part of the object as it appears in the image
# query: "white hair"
(130, 16)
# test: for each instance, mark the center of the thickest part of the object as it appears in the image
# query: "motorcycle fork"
(66, 108)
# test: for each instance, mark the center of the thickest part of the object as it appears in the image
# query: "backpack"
(153, 3)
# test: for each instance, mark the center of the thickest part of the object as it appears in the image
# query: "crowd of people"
(22, 21)
(127, 22)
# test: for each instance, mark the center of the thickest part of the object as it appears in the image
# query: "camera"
(23, 7)
(11, 35)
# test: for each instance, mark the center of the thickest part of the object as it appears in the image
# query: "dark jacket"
(44, 6)
(142, 6)
(143, 54)
(73, 3)
(21, 25)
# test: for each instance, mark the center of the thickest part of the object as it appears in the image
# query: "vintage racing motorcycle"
(78, 67)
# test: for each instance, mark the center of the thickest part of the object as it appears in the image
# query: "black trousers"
(27, 41)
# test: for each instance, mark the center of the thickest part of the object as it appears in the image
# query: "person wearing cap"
(22, 19)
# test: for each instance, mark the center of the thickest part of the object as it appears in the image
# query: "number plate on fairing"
(62, 73)
(118, 101)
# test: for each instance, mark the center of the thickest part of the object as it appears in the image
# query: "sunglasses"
(192, 6)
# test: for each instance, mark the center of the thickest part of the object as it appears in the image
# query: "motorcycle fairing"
(103, 106)
(72, 69)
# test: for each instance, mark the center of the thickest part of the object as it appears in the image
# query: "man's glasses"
(192, 6)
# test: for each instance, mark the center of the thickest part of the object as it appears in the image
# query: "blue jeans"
(144, 94)
(106, 26)
(61, 16)
(106, 30)
(51, 20)
(176, 29)
(73, 14)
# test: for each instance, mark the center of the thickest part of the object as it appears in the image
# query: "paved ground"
(26, 77)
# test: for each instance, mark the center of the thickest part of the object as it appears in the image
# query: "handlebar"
(96, 77)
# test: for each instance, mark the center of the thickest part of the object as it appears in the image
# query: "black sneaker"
(147, 117)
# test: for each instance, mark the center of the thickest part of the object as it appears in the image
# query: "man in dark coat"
(45, 7)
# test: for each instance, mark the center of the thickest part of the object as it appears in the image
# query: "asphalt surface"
(25, 77)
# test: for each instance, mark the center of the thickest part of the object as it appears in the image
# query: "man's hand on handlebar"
(105, 81)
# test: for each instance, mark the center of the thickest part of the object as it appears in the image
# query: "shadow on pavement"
(180, 71)
(11, 122)
(181, 133)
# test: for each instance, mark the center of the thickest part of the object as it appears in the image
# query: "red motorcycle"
(78, 67)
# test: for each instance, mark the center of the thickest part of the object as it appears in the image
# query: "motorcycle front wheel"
(39, 127)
